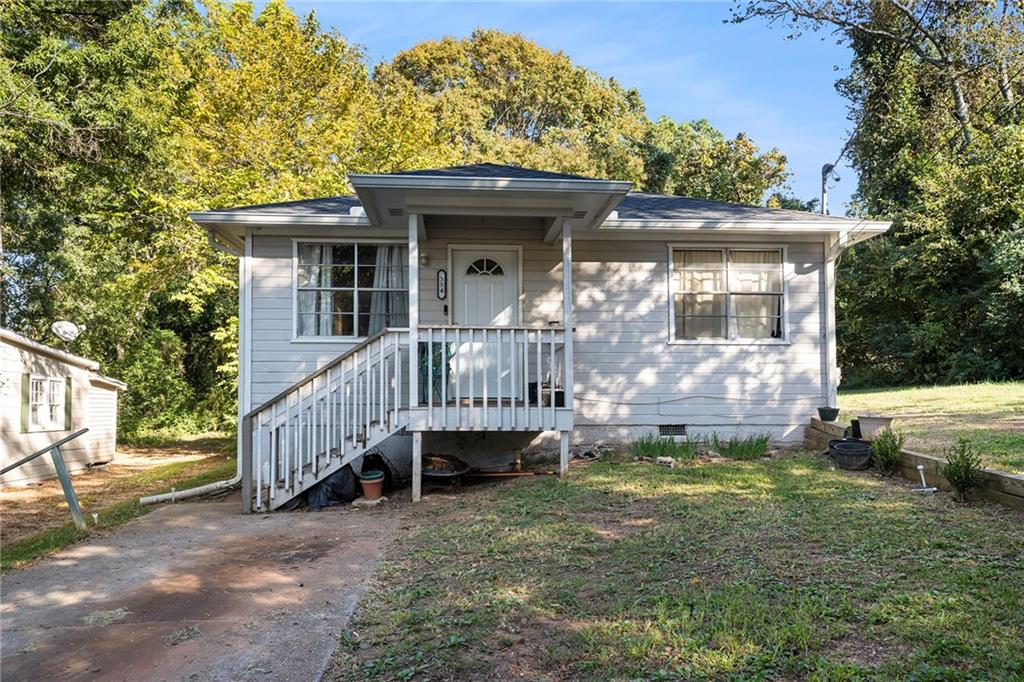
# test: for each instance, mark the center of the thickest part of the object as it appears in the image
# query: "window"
(485, 266)
(727, 293)
(347, 289)
(46, 404)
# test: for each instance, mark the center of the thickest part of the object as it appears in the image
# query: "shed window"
(46, 404)
(349, 289)
(727, 293)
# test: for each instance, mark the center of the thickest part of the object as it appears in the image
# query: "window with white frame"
(727, 293)
(46, 404)
(351, 289)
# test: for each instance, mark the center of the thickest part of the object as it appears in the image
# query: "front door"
(485, 293)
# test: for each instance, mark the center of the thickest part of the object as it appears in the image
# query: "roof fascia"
(43, 349)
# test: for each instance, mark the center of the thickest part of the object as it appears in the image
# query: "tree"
(503, 98)
(938, 144)
(695, 159)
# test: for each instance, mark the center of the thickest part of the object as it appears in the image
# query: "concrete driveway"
(194, 592)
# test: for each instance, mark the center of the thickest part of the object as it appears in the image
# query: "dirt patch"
(30, 510)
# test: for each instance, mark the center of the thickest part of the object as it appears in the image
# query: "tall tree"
(939, 147)
(501, 97)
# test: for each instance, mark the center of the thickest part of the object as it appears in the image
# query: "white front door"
(485, 293)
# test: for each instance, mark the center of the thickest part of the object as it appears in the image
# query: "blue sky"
(684, 61)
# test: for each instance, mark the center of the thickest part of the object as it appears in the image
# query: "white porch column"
(414, 309)
(567, 323)
(417, 465)
(414, 350)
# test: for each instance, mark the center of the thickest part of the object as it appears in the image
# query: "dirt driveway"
(195, 592)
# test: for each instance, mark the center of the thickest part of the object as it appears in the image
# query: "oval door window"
(485, 267)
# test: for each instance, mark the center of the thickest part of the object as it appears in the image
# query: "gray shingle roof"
(322, 206)
(644, 206)
(494, 170)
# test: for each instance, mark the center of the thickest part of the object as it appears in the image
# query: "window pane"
(366, 277)
(694, 258)
(760, 258)
(367, 254)
(343, 302)
(343, 276)
(343, 325)
(700, 304)
(701, 280)
(758, 327)
(755, 280)
(307, 301)
(309, 275)
(749, 305)
(311, 254)
(343, 254)
(700, 327)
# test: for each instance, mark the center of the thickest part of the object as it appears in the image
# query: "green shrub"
(751, 447)
(962, 468)
(651, 445)
(885, 451)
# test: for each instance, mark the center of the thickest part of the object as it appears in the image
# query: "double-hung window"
(46, 404)
(350, 289)
(727, 293)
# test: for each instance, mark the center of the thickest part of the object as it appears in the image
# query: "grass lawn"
(770, 569)
(36, 520)
(990, 415)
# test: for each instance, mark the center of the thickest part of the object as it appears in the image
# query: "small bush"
(751, 447)
(651, 445)
(962, 468)
(885, 451)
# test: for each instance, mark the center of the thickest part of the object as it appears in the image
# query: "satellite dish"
(66, 331)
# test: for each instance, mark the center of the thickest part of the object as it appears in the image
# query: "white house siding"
(102, 421)
(14, 362)
(627, 374)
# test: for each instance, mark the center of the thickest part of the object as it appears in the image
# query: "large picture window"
(727, 293)
(353, 290)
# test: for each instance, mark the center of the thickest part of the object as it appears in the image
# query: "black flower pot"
(828, 414)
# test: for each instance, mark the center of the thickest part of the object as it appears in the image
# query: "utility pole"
(826, 171)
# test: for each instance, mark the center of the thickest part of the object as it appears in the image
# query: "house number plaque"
(442, 285)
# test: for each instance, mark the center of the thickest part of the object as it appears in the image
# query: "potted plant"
(828, 414)
(873, 424)
(372, 482)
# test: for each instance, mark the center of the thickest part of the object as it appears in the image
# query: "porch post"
(414, 350)
(417, 465)
(414, 309)
(567, 323)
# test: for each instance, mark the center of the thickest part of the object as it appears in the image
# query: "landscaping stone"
(667, 462)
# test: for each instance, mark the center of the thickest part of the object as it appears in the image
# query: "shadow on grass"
(758, 569)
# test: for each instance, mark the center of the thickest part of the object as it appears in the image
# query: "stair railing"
(326, 419)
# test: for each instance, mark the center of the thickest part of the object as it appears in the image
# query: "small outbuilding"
(47, 394)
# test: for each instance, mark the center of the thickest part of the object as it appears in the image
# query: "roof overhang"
(389, 199)
(849, 231)
(49, 351)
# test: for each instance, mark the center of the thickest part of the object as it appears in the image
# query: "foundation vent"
(672, 429)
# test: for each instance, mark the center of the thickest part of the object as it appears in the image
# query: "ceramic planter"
(873, 424)
(372, 482)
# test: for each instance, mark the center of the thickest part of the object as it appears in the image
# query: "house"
(535, 303)
(47, 394)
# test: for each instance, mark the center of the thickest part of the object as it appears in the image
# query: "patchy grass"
(664, 446)
(780, 569)
(36, 518)
(990, 416)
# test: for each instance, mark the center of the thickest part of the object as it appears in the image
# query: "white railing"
(491, 378)
(326, 420)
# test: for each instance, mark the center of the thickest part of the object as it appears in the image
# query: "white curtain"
(389, 308)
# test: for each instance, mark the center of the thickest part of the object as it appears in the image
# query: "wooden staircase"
(323, 422)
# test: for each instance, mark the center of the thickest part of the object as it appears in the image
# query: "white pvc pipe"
(176, 495)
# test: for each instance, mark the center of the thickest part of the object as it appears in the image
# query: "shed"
(45, 394)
